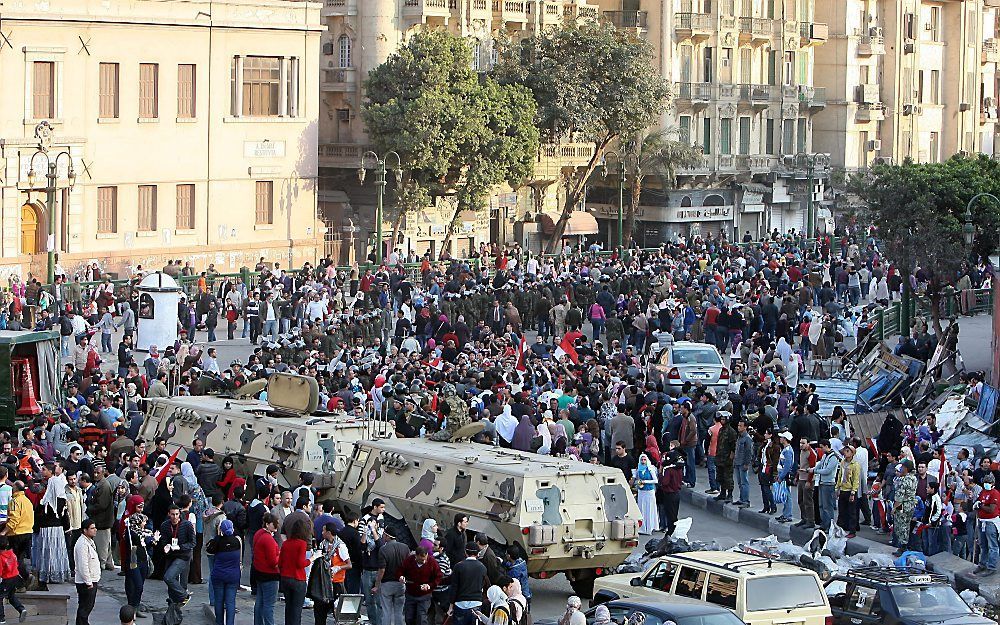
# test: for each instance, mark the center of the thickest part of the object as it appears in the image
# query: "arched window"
(686, 201)
(344, 43)
(714, 200)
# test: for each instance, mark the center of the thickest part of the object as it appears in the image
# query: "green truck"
(38, 354)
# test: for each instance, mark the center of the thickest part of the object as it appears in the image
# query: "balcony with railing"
(511, 10)
(552, 157)
(991, 51)
(346, 155)
(871, 45)
(757, 95)
(631, 20)
(339, 80)
(870, 112)
(693, 92)
(812, 97)
(550, 13)
(428, 8)
(756, 30)
(694, 25)
(813, 33)
(340, 8)
(756, 163)
(480, 9)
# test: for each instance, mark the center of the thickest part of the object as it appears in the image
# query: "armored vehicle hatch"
(568, 516)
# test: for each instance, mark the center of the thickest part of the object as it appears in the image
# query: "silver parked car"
(685, 361)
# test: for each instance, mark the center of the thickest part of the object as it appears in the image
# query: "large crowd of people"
(548, 353)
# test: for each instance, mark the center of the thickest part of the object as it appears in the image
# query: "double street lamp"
(623, 163)
(51, 168)
(968, 227)
(371, 160)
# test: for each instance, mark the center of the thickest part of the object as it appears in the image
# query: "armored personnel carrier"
(287, 430)
(568, 516)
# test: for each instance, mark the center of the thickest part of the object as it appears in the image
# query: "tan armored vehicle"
(286, 430)
(569, 517)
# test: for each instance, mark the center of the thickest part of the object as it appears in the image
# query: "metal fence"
(889, 318)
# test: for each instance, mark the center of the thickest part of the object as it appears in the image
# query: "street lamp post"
(379, 165)
(51, 186)
(623, 161)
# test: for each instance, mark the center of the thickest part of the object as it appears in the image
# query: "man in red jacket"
(422, 575)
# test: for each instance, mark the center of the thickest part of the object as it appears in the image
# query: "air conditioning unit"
(874, 145)
(964, 106)
(909, 109)
(875, 31)
(929, 26)
(989, 101)
(328, 49)
(344, 115)
(909, 47)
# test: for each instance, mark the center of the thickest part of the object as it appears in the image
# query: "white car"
(686, 361)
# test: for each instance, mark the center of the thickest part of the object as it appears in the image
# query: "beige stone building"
(907, 79)
(360, 35)
(191, 127)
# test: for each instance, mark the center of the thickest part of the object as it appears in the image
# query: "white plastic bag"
(681, 528)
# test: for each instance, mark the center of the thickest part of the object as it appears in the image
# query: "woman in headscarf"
(784, 352)
(653, 450)
(135, 536)
(559, 439)
(499, 609)
(645, 482)
(49, 553)
(543, 431)
(573, 615)
(523, 434)
(517, 603)
(227, 549)
(428, 533)
(602, 615)
(506, 424)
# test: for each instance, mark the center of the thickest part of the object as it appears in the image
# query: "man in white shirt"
(88, 571)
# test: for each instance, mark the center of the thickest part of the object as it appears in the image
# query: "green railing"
(888, 319)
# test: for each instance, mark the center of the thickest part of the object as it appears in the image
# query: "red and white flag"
(165, 469)
(522, 355)
(436, 363)
(567, 348)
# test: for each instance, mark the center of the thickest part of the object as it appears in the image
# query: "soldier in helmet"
(456, 412)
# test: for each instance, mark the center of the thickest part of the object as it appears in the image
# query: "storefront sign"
(264, 149)
(703, 213)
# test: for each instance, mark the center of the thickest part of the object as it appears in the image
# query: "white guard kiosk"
(156, 323)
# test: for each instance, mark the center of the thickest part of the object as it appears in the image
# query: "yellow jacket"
(20, 515)
(850, 476)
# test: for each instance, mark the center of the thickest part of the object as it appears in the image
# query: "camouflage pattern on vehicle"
(568, 516)
(286, 430)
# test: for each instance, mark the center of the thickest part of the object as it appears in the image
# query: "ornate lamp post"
(51, 168)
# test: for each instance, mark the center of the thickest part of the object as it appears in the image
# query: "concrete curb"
(958, 570)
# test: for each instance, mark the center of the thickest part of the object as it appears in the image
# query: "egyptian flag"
(436, 363)
(522, 355)
(943, 467)
(165, 469)
(567, 348)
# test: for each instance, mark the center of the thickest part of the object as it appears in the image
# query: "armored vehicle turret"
(568, 516)
(286, 430)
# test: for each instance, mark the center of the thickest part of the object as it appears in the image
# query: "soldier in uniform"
(456, 413)
(725, 448)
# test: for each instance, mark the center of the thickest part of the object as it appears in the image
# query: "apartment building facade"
(190, 130)
(907, 79)
(360, 35)
(743, 78)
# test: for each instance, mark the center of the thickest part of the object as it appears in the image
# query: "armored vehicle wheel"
(582, 581)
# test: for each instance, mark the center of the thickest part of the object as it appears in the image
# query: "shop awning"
(580, 223)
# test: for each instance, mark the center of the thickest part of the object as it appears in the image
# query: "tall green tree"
(457, 132)
(654, 154)
(591, 83)
(917, 211)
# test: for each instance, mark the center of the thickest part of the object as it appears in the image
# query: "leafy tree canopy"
(591, 82)
(456, 131)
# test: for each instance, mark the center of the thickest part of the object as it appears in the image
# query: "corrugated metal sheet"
(833, 392)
